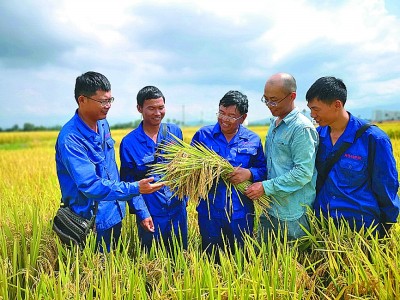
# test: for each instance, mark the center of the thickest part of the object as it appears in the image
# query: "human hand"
(239, 175)
(145, 187)
(255, 191)
(148, 224)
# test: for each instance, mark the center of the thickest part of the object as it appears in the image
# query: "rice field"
(330, 263)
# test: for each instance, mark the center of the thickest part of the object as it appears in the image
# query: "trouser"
(165, 228)
(110, 237)
(218, 232)
(271, 225)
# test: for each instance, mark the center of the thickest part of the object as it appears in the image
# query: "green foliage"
(328, 263)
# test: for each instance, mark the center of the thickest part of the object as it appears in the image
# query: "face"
(324, 114)
(153, 111)
(283, 101)
(91, 108)
(229, 119)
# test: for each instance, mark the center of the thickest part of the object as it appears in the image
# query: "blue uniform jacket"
(87, 172)
(363, 184)
(244, 150)
(137, 153)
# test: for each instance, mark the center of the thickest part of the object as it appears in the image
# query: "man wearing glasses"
(225, 219)
(290, 147)
(85, 161)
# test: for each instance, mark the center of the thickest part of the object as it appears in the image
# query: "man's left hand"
(255, 191)
(239, 175)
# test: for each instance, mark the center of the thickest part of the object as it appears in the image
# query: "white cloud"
(194, 51)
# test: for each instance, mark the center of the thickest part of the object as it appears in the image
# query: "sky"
(194, 52)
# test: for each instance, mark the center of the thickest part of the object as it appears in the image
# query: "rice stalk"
(193, 170)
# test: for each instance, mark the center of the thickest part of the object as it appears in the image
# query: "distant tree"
(56, 128)
(126, 125)
(15, 128)
(28, 127)
(175, 121)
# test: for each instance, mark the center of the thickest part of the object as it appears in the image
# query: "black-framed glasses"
(273, 103)
(103, 103)
(227, 118)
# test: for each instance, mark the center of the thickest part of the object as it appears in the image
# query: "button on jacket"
(291, 150)
(137, 153)
(244, 150)
(363, 184)
(87, 172)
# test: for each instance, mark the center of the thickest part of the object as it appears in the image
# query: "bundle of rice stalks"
(192, 170)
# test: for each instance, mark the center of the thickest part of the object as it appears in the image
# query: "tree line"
(33, 127)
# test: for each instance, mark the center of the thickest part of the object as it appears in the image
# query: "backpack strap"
(323, 173)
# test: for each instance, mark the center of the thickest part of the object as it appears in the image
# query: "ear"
(244, 116)
(81, 99)
(293, 96)
(139, 108)
(338, 104)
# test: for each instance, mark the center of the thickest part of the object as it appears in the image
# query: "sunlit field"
(330, 263)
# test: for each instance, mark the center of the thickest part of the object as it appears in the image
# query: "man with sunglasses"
(290, 148)
(85, 160)
(226, 217)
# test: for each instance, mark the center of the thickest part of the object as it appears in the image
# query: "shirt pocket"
(97, 158)
(283, 152)
(143, 166)
(353, 171)
(244, 155)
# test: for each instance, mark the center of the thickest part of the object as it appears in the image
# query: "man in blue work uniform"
(290, 147)
(85, 161)
(362, 185)
(159, 215)
(228, 218)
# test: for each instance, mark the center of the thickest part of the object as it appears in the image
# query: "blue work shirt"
(244, 150)
(362, 185)
(87, 172)
(137, 154)
(290, 149)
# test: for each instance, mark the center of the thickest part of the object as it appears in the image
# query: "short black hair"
(327, 89)
(148, 92)
(235, 98)
(89, 83)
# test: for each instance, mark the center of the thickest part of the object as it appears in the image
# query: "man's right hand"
(147, 224)
(145, 187)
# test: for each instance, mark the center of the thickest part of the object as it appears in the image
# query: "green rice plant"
(193, 171)
(330, 262)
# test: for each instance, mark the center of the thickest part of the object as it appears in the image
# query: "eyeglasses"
(103, 103)
(227, 118)
(273, 103)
